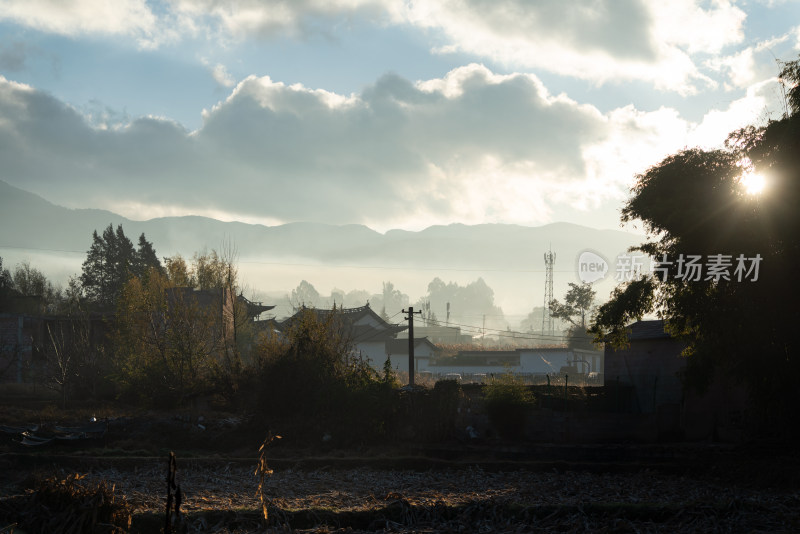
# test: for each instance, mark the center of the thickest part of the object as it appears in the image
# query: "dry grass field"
(487, 486)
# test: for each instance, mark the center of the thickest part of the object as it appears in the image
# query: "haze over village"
(427, 266)
(393, 116)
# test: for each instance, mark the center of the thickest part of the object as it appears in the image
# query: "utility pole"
(410, 320)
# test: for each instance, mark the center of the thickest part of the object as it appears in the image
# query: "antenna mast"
(547, 319)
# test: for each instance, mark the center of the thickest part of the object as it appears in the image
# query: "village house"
(532, 364)
(653, 364)
(439, 335)
(369, 333)
(424, 352)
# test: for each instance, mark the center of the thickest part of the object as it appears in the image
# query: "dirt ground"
(487, 486)
(220, 495)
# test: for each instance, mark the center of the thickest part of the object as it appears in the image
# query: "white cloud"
(240, 18)
(740, 67)
(753, 108)
(602, 41)
(636, 140)
(127, 17)
(750, 65)
(472, 146)
(597, 40)
(222, 76)
(220, 73)
(687, 23)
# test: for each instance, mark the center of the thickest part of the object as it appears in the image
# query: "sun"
(753, 183)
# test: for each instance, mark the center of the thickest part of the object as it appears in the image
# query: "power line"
(324, 266)
(503, 333)
(9, 247)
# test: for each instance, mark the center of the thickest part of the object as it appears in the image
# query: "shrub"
(68, 505)
(311, 375)
(508, 401)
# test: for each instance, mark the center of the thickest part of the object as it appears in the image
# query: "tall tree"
(178, 272)
(304, 295)
(5, 277)
(726, 258)
(183, 327)
(111, 261)
(31, 282)
(145, 258)
(166, 339)
(468, 303)
(393, 300)
(576, 310)
(210, 270)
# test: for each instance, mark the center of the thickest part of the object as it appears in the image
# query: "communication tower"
(547, 319)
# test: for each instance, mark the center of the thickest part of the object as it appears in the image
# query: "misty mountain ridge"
(44, 225)
(503, 254)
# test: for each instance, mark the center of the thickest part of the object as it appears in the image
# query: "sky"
(392, 114)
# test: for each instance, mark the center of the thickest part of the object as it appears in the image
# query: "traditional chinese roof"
(365, 323)
(254, 309)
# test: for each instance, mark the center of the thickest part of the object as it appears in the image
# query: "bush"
(310, 376)
(508, 401)
(68, 505)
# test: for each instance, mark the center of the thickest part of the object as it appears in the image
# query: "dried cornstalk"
(263, 471)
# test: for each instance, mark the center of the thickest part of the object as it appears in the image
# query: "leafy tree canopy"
(466, 302)
(305, 295)
(695, 204)
(5, 277)
(32, 282)
(577, 305)
(577, 309)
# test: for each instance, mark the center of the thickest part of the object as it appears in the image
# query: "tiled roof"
(360, 332)
(647, 330)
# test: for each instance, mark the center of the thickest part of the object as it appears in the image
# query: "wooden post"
(410, 318)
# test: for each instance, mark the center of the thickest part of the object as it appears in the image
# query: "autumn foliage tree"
(177, 329)
(165, 338)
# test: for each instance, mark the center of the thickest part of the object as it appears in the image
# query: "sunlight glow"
(753, 183)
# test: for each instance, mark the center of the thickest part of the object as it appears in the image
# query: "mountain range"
(510, 255)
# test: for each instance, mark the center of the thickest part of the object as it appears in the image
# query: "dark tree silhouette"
(111, 261)
(146, 258)
(739, 314)
(5, 277)
(576, 309)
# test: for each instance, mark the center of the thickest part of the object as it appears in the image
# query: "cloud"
(752, 64)
(220, 73)
(687, 23)
(241, 18)
(601, 41)
(469, 147)
(222, 76)
(597, 40)
(126, 17)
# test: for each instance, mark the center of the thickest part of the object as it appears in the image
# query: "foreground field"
(458, 486)
(221, 497)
